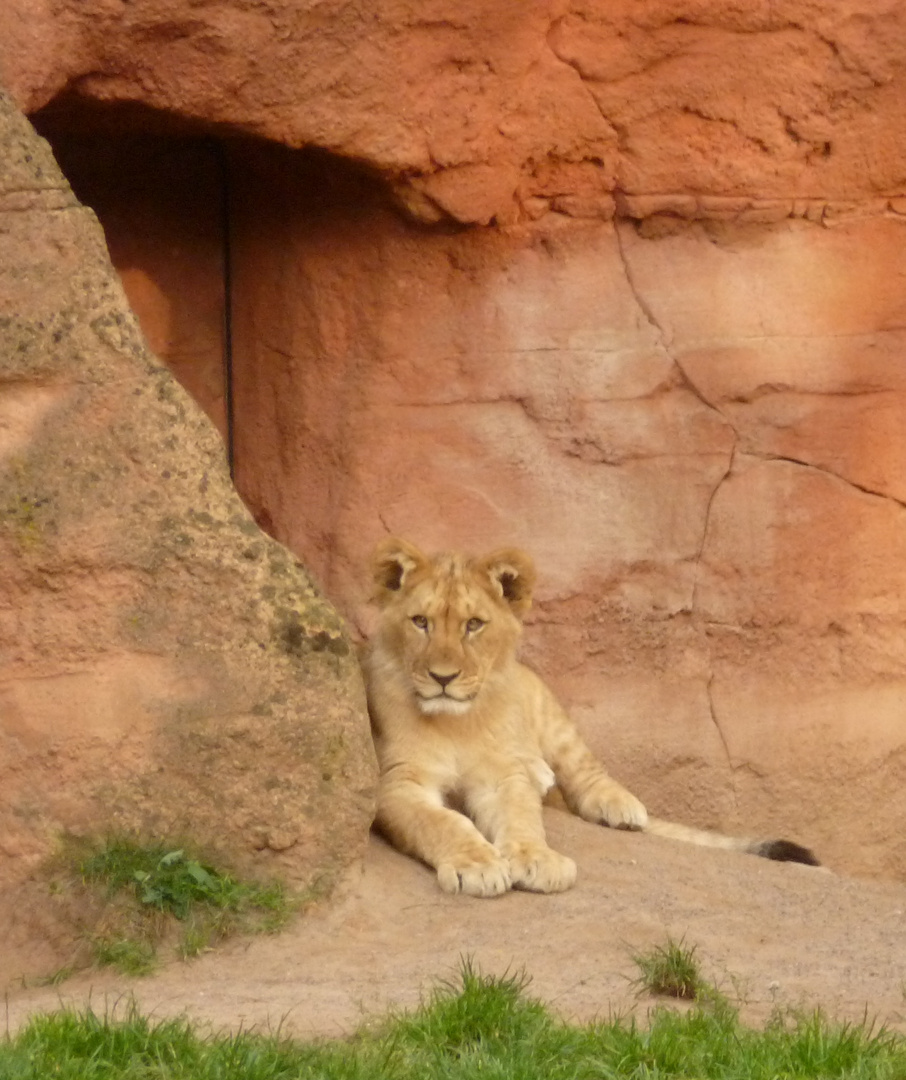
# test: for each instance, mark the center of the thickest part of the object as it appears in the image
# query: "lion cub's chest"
(478, 752)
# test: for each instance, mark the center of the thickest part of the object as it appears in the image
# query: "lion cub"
(469, 740)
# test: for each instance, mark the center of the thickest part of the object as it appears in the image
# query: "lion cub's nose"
(443, 680)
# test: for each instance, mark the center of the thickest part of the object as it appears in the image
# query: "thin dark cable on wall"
(223, 161)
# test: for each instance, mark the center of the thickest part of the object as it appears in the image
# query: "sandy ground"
(766, 933)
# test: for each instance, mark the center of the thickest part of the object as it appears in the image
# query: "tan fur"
(468, 739)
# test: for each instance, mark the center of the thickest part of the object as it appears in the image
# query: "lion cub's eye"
(421, 621)
(474, 625)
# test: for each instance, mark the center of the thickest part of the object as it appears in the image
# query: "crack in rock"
(549, 39)
(712, 711)
(764, 456)
(664, 340)
(665, 343)
(707, 526)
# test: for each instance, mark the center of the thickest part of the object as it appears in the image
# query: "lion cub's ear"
(392, 563)
(512, 575)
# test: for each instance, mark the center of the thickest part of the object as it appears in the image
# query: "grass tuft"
(131, 957)
(671, 970)
(172, 882)
(482, 1015)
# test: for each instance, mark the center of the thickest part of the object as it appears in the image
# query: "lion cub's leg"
(509, 813)
(595, 796)
(587, 787)
(413, 817)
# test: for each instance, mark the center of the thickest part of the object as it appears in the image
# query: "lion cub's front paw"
(620, 809)
(538, 868)
(485, 875)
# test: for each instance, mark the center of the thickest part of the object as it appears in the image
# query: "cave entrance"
(198, 228)
(163, 201)
(321, 329)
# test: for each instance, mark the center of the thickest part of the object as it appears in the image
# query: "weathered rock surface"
(165, 668)
(479, 111)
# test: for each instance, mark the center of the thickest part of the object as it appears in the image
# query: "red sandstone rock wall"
(483, 109)
(667, 357)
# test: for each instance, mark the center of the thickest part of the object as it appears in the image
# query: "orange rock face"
(620, 282)
(482, 111)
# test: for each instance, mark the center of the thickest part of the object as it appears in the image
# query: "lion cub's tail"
(779, 850)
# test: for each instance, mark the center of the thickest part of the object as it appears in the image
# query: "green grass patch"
(173, 882)
(481, 1027)
(156, 892)
(671, 970)
(131, 956)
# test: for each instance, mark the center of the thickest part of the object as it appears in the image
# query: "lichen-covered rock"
(165, 668)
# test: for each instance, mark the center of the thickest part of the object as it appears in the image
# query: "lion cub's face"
(450, 621)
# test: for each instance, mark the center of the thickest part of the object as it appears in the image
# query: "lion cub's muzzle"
(443, 693)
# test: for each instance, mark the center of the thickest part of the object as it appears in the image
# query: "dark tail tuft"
(787, 851)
